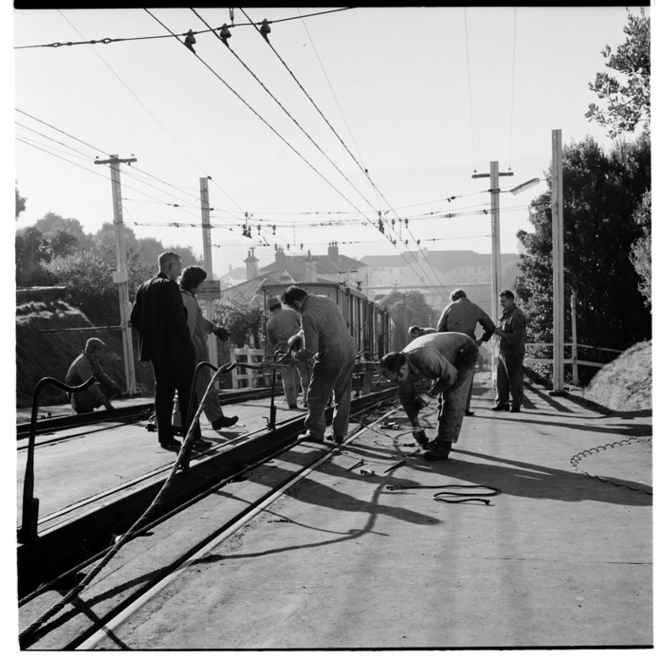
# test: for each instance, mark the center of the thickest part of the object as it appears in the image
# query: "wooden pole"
(207, 262)
(121, 276)
(558, 266)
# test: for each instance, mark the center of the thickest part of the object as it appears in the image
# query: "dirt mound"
(41, 353)
(625, 384)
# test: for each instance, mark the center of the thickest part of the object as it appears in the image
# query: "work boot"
(421, 437)
(470, 413)
(307, 437)
(437, 451)
(201, 443)
(515, 409)
(171, 445)
(337, 439)
(501, 407)
(224, 422)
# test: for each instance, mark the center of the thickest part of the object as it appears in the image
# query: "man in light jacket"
(448, 361)
(325, 336)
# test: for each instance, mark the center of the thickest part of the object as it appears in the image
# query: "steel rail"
(207, 544)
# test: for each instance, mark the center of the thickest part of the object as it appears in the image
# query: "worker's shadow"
(536, 481)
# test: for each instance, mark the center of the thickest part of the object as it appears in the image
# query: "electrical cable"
(106, 41)
(290, 116)
(140, 102)
(509, 160)
(470, 93)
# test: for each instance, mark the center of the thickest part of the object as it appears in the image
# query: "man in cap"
(282, 325)
(160, 318)
(325, 336)
(462, 316)
(84, 366)
(448, 360)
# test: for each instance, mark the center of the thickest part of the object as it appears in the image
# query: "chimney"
(333, 251)
(252, 264)
(280, 258)
(310, 269)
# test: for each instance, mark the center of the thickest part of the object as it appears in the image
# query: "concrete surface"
(558, 559)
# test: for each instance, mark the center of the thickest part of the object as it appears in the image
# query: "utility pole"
(558, 269)
(207, 262)
(120, 276)
(495, 253)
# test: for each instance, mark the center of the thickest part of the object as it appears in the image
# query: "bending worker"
(448, 360)
(85, 366)
(283, 324)
(324, 335)
(462, 316)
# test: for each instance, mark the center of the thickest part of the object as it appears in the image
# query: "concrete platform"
(559, 559)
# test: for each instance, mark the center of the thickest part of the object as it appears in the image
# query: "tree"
(641, 249)
(31, 254)
(601, 194)
(20, 203)
(628, 104)
(51, 225)
(408, 309)
(88, 277)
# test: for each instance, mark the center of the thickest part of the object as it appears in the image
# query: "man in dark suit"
(164, 339)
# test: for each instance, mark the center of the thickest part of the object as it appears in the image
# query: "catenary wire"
(107, 41)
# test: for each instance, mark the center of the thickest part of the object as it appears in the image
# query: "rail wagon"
(367, 321)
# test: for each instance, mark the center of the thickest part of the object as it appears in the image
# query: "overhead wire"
(290, 116)
(509, 160)
(140, 102)
(381, 225)
(283, 139)
(470, 91)
(107, 41)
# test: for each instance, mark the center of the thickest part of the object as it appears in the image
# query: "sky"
(389, 113)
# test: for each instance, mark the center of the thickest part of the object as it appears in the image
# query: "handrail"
(27, 533)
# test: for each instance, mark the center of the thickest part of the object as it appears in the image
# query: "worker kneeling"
(448, 359)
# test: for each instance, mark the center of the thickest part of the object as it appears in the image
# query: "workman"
(325, 337)
(84, 366)
(417, 331)
(282, 325)
(462, 316)
(448, 360)
(511, 331)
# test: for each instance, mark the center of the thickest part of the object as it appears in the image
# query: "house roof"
(443, 261)
(327, 268)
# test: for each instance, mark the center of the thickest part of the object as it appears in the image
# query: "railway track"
(110, 601)
(71, 536)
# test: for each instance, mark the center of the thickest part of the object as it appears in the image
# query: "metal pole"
(207, 261)
(575, 353)
(558, 268)
(120, 276)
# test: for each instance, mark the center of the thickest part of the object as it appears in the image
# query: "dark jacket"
(160, 318)
(513, 322)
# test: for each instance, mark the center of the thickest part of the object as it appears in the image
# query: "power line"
(290, 116)
(106, 41)
(470, 94)
(509, 160)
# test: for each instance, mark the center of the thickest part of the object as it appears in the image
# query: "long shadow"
(616, 430)
(536, 481)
